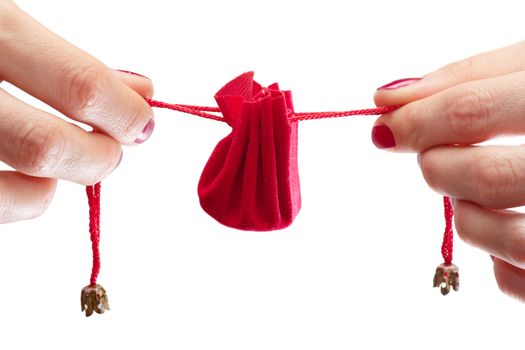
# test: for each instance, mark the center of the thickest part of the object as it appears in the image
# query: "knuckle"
(82, 88)
(496, 175)
(469, 111)
(40, 149)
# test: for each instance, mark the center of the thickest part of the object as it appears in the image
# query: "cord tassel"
(93, 297)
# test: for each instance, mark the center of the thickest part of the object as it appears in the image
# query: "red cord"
(448, 237)
(93, 193)
(195, 110)
(296, 117)
(201, 111)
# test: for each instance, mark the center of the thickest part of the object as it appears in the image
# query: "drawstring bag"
(251, 180)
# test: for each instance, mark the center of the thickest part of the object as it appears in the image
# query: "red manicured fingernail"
(133, 73)
(382, 137)
(146, 132)
(396, 84)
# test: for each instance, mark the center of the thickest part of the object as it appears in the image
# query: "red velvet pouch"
(251, 181)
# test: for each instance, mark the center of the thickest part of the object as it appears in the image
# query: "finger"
(501, 233)
(70, 80)
(510, 279)
(39, 144)
(140, 83)
(23, 197)
(465, 114)
(485, 65)
(493, 176)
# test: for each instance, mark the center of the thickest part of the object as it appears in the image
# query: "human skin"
(42, 147)
(444, 114)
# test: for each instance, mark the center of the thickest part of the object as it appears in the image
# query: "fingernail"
(396, 84)
(146, 132)
(382, 137)
(133, 73)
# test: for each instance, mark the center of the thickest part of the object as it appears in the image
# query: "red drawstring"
(201, 111)
(93, 193)
(195, 110)
(93, 297)
(296, 117)
(448, 237)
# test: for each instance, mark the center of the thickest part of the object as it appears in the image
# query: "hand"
(447, 111)
(42, 147)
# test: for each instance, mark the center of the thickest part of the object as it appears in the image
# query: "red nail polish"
(146, 132)
(133, 73)
(396, 84)
(382, 137)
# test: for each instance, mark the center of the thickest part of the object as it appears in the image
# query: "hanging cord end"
(94, 299)
(447, 275)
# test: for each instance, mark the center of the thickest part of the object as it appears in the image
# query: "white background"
(355, 269)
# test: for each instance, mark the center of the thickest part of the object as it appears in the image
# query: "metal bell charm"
(447, 275)
(94, 299)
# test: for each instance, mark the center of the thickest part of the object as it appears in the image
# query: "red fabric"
(251, 181)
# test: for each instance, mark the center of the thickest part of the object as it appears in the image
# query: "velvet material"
(251, 181)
